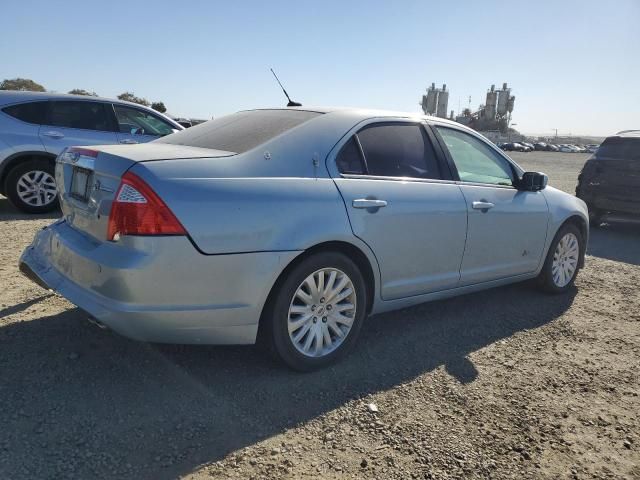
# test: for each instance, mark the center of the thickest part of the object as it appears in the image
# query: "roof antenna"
(291, 102)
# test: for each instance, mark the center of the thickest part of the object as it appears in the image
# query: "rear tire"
(30, 186)
(326, 320)
(563, 260)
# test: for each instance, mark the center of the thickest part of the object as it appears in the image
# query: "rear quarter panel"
(250, 214)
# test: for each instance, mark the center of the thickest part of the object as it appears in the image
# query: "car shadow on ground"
(9, 212)
(86, 403)
(616, 241)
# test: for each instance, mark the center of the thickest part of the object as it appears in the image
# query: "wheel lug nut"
(324, 319)
(315, 319)
(313, 307)
(322, 300)
(329, 307)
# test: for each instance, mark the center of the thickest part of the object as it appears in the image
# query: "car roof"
(359, 114)
(16, 96)
(628, 134)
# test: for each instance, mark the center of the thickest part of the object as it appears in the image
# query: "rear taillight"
(138, 210)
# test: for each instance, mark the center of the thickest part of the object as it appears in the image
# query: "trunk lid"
(88, 178)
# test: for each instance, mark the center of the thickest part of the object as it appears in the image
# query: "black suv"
(610, 180)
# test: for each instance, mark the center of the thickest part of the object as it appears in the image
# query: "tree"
(81, 91)
(159, 107)
(24, 84)
(130, 97)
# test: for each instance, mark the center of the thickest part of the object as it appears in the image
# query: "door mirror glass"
(533, 181)
(137, 131)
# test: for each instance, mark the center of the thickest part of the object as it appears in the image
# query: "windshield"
(241, 131)
(620, 148)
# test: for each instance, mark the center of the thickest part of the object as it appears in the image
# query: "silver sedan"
(290, 226)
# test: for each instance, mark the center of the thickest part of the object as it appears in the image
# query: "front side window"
(32, 112)
(139, 122)
(84, 115)
(476, 161)
(398, 150)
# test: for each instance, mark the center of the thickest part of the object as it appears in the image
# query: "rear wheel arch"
(346, 248)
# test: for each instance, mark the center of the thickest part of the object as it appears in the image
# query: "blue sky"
(573, 65)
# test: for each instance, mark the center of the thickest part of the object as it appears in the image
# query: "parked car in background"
(552, 148)
(540, 147)
(567, 148)
(515, 147)
(528, 145)
(404, 209)
(36, 127)
(609, 182)
(591, 148)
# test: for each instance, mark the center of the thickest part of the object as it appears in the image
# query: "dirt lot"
(508, 383)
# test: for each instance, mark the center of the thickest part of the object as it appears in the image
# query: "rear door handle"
(53, 134)
(368, 203)
(482, 205)
(128, 141)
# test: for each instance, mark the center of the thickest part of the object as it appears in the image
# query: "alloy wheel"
(37, 188)
(565, 260)
(322, 312)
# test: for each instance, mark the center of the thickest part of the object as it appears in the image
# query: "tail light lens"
(138, 210)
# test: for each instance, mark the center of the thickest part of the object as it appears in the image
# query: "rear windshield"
(241, 131)
(620, 148)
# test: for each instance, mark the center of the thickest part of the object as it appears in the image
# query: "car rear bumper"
(156, 289)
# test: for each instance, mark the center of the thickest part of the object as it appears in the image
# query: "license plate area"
(80, 183)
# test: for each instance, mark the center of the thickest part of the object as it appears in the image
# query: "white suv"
(36, 127)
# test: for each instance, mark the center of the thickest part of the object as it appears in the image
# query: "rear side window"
(32, 112)
(620, 148)
(84, 115)
(398, 150)
(241, 131)
(349, 159)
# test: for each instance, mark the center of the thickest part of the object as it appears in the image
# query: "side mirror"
(533, 181)
(137, 131)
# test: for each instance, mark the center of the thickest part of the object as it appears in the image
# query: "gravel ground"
(507, 383)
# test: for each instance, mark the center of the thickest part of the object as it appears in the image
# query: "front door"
(398, 203)
(507, 228)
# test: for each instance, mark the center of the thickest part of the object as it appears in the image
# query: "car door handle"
(369, 203)
(128, 141)
(482, 205)
(53, 134)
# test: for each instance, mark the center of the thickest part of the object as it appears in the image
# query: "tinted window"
(622, 148)
(349, 159)
(475, 160)
(134, 121)
(241, 131)
(398, 150)
(85, 115)
(32, 112)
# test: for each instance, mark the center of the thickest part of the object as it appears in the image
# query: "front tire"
(563, 260)
(316, 312)
(31, 187)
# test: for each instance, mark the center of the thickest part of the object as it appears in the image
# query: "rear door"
(136, 125)
(77, 122)
(402, 202)
(507, 227)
